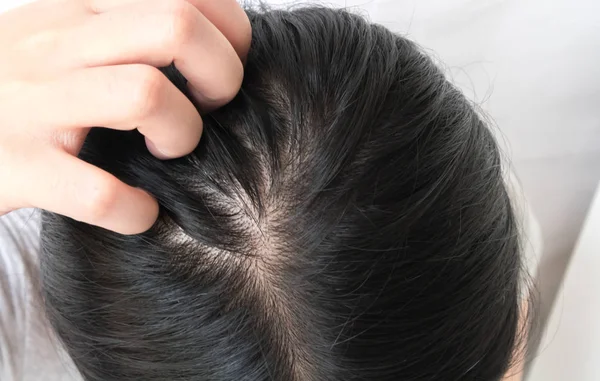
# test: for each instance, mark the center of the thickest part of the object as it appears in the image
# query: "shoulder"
(19, 243)
(27, 347)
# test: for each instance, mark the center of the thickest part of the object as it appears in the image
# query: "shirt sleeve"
(28, 348)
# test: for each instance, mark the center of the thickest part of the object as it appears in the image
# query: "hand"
(68, 65)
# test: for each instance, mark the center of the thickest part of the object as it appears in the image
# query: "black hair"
(344, 218)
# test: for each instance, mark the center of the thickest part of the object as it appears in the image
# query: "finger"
(34, 17)
(123, 97)
(63, 184)
(227, 15)
(157, 33)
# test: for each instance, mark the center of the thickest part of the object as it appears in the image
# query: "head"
(343, 218)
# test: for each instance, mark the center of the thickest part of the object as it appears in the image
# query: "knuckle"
(182, 20)
(101, 199)
(148, 90)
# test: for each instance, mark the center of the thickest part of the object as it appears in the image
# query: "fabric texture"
(28, 349)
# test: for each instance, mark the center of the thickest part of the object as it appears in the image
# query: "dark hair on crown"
(343, 218)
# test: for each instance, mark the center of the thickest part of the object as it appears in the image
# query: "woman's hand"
(68, 65)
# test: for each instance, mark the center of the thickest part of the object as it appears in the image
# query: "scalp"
(343, 218)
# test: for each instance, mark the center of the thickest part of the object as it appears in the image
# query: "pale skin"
(515, 373)
(75, 64)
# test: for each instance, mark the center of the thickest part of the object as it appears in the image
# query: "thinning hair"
(343, 218)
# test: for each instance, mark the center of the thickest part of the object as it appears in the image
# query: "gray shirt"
(28, 348)
(29, 351)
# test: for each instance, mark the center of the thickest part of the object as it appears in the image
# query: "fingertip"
(136, 214)
(86, 193)
(155, 151)
(147, 217)
(232, 20)
(242, 46)
(116, 206)
(186, 146)
(207, 104)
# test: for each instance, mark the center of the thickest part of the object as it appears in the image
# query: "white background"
(534, 67)
(570, 349)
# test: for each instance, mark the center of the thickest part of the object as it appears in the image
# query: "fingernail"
(134, 211)
(154, 150)
(205, 104)
(137, 211)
